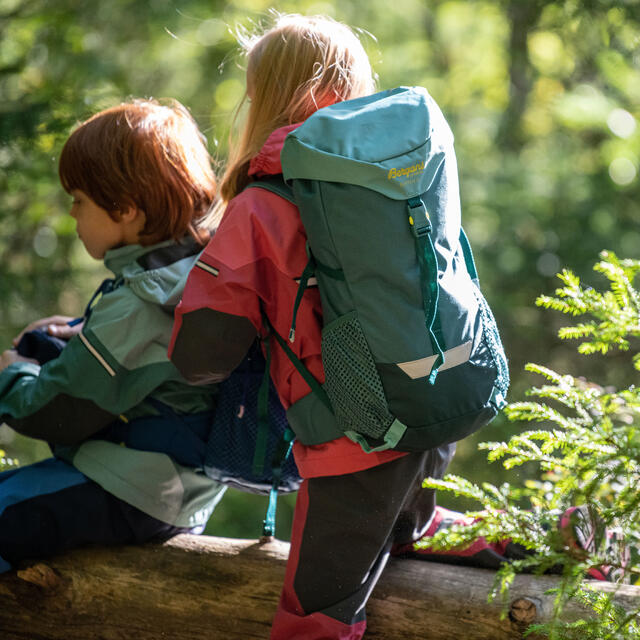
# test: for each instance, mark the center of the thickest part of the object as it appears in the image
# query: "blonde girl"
(352, 506)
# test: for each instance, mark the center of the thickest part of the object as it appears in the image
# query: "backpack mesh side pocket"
(352, 381)
(234, 432)
(494, 344)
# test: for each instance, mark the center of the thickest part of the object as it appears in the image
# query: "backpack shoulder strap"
(275, 184)
(468, 256)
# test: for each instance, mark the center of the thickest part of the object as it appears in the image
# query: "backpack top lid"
(392, 142)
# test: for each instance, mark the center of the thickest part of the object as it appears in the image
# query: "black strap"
(264, 421)
(107, 286)
(275, 184)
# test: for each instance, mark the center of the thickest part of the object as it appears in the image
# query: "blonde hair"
(299, 65)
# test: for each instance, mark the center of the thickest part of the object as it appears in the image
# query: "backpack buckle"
(419, 220)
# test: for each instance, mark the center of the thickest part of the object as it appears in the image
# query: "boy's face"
(97, 230)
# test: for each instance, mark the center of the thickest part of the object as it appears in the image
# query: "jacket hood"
(155, 273)
(267, 162)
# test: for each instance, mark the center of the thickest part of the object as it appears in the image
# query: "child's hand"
(57, 326)
(10, 356)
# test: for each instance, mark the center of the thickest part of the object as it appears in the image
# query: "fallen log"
(210, 588)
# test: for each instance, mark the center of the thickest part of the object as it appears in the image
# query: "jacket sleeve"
(220, 313)
(40, 402)
(109, 368)
(62, 419)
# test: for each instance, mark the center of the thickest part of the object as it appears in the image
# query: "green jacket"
(114, 370)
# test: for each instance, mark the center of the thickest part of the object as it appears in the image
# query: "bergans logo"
(405, 171)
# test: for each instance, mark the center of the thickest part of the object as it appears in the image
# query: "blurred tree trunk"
(204, 587)
(522, 18)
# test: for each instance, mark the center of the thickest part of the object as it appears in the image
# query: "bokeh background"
(543, 98)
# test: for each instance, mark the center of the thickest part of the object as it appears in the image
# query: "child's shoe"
(480, 553)
(585, 533)
(582, 529)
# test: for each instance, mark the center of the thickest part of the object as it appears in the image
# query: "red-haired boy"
(141, 181)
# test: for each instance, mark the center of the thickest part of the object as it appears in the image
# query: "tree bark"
(522, 17)
(210, 588)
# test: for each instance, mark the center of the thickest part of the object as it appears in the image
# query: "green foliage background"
(543, 98)
(583, 439)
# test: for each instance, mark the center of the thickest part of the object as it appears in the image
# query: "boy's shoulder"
(153, 275)
(139, 308)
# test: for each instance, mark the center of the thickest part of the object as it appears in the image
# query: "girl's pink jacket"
(251, 264)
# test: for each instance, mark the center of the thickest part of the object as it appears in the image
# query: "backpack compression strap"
(421, 228)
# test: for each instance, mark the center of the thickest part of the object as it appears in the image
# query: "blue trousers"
(50, 507)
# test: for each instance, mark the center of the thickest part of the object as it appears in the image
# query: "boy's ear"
(133, 221)
(130, 214)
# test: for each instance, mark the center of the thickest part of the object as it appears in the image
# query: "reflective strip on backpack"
(452, 358)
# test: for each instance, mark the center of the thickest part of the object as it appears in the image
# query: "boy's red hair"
(145, 155)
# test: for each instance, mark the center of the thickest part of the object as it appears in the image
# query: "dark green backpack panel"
(411, 351)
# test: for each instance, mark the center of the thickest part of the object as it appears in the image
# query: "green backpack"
(411, 352)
